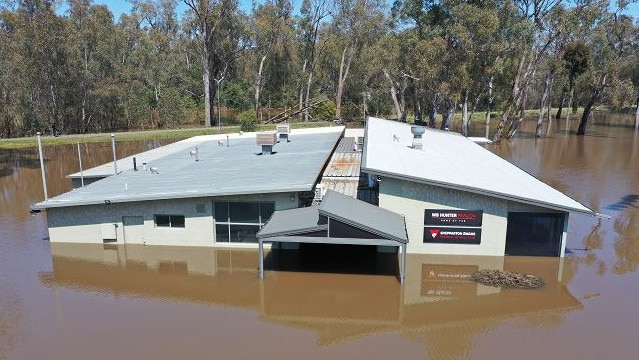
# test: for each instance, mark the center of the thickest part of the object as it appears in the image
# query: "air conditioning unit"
(319, 193)
(267, 140)
(283, 130)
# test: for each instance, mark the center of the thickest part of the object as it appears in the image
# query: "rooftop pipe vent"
(417, 131)
(266, 140)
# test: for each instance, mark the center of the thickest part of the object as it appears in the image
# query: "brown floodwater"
(66, 301)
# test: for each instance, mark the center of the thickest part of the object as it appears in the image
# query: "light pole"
(219, 108)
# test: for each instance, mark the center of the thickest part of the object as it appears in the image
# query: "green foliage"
(237, 94)
(248, 120)
(326, 111)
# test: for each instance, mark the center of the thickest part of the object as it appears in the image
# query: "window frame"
(228, 223)
(172, 223)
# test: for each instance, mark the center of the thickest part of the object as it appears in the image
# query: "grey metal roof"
(453, 161)
(221, 170)
(384, 223)
(365, 216)
(149, 156)
(292, 222)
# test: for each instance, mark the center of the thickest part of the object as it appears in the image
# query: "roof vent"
(267, 140)
(283, 130)
(417, 131)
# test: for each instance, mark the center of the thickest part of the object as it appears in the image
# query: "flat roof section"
(452, 161)
(221, 170)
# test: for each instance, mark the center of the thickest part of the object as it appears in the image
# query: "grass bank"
(27, 142)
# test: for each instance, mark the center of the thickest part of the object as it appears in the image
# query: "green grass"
(28, 142)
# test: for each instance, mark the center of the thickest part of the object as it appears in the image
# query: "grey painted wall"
(411, 199)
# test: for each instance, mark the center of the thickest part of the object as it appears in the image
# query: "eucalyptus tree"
(613, 39)
(90, 63)
(209, 17)
(313, 13)
(10, 84)
(275, 53)
(530, 37)
(356, 24)
(41, 64)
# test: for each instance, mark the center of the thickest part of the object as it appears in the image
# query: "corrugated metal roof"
(343, 170)
(344, 164)
(363, 215)
(451, 160)
(221, 170)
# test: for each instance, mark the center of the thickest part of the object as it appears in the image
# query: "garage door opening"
(534, 234)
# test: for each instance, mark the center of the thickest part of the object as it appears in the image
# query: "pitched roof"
(363, 215)
(288, 224)
(452, 161)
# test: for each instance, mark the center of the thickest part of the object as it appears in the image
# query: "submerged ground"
(60, 301)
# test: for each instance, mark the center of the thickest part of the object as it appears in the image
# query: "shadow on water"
(624, 202)
(13, 160)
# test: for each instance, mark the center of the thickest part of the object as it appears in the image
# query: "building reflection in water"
(440, 306)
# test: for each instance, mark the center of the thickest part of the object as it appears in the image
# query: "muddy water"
(61, 301)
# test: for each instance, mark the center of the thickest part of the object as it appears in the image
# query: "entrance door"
(133, 229)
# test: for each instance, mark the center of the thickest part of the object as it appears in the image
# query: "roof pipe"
(115, 160)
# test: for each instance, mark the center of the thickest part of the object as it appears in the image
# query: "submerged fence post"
(80, 161)
(44, 176)
(115, 160)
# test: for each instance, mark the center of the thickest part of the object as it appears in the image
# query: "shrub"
(326, 111)
(248, 120)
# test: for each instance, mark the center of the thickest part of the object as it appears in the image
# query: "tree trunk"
(514, 94)
(344, 66)
(258, 89)
(308, 94)
(561, 105)
(417, 104)
(569, 107)
(542, 104)
(206, 76)
(464, 129)
(300, 104)
(432, 112)
(399, 109)
(491, 98)
(637, 115)
(448, 119)
(596, 93)
(365, 104)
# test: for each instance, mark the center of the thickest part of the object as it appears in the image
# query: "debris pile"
(498, 278)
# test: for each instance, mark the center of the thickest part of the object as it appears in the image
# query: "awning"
(339, 220)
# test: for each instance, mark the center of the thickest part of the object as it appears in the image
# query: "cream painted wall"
(84, 224)
(411, 199)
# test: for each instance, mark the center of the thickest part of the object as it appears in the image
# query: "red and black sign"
(452, 235)
(453, 217)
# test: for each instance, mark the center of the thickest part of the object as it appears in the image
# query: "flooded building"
(449, 194)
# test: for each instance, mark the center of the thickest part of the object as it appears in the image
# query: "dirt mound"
(499, 278)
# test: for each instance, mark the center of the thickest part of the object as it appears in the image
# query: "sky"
(119, 7)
